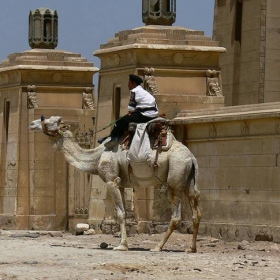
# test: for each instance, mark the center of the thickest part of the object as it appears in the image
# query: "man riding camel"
(142, 108)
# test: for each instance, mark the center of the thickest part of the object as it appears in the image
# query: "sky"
(84, 25)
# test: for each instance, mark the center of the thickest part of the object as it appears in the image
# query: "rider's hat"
(135, 79)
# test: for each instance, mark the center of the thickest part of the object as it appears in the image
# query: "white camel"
(177, 167)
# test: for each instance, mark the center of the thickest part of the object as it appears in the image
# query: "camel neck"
(83, 159)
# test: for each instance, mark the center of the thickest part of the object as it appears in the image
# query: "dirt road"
(31, 255)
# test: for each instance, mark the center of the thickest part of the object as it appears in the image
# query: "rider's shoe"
(101, 140)
(112, 143)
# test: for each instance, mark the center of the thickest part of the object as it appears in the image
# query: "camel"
(176, 168)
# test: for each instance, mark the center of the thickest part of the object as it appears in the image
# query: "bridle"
(53, 133)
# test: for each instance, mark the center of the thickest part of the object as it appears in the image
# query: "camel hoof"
(191, 250)
(156, 249)
(121, 248)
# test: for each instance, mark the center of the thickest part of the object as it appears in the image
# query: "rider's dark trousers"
(121, 124)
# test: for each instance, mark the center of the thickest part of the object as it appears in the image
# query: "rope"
(111, 123)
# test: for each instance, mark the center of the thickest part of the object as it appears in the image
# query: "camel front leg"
(113, 187)
(175, 219)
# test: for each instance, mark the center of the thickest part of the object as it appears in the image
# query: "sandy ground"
(27, 255)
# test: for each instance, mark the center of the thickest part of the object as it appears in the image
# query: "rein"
(59, 132)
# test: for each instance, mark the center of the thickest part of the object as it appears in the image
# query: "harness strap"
(159, 149)
(54, 133)
(146, 109)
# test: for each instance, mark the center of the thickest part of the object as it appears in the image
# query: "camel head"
(49, 126)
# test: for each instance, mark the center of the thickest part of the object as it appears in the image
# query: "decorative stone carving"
(213, 131)
(159, 12)
(4, 79)
(57, 77)
(178, 58)
(43, 28)
(9, 78)
(88, 102)
(245, 128)
(149, 81)
(31, 97)
(213, 87)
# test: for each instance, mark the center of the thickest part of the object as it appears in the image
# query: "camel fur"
(176, 168)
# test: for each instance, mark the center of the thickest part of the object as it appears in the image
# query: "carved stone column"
(158, 12)
(43, 26)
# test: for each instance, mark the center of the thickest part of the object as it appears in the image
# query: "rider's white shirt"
(140, 98)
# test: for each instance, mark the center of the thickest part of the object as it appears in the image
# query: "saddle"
(160, 138)
(157, 130)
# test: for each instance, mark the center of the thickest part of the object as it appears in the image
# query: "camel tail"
(194, 176)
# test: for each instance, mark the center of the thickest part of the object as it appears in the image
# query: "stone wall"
(237, 149)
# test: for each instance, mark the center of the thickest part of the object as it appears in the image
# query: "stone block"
(252, 177)
(207, 180)
(22, 221)
(12, 154)
(44, 192)
(262, 160)
(42, 151)
(41, 222)
(14, 125)
(97, 209)
(23, 205)
(205, 148)
(203, 161)
(266, 127)
(237, 211)
(81, 227)
(198, 131)
(234, 160)
(23, 192)
(270, 178)
(140, 193)
(207, 208)
(141, 210)
(42, 205)
(99, 193)
(39, 179)
(9, 204)
(234, 179)
(7, 221)
(213, 161)
(254, 147)
(272, 196)
(272, 95)
(220, 148)
(237, 147)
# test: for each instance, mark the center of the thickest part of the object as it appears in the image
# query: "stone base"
(239, 232)
(150, 227)
(7, 222)
(33, 222)
(222, 231)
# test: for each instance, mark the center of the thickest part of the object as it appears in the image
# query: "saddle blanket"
(140, 148)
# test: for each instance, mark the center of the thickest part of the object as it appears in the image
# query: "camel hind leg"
(196, 216)
(175, 219)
